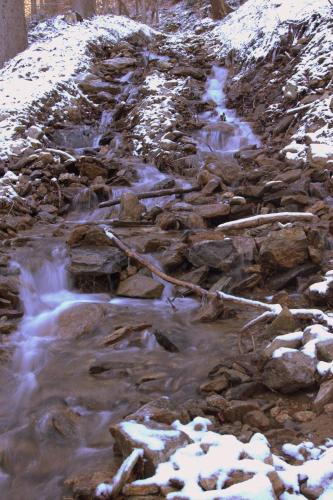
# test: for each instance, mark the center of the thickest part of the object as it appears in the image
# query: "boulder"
(96, 269)
(141, 287)
(160, 410)
(91, 168)
(290, 372)
(216, 254)
(130, 207)
(81, 319)
(214, 210)
(158, 441)
(325, 395)
(119, 63)
(324, 350)
(284, 249)
(321, 155)
(86, 235)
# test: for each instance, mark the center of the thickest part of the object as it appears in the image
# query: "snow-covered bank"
(44, 74)
(257, 26)
(301, 31)
(214, 466)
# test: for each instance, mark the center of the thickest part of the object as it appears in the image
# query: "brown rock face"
(81, 319)
(284, 249)
(290, 372)
(157, 441)
(140, 286)
(130, 207)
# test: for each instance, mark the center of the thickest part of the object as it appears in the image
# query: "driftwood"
(271, 311)
(260, 220)
(152, 194)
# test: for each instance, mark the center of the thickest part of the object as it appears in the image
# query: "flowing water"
(63, 389)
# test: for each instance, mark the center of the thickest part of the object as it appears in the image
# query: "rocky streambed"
(91, 338)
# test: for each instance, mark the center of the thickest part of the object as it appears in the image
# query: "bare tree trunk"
(13, 32)
(220, 9)
(86, 8)
(33, 7)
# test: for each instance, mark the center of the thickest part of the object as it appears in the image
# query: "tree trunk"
(13, 32)
(33, 8)
(86, 8)
(220, 9)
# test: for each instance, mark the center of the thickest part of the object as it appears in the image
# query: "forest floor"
(196, 132)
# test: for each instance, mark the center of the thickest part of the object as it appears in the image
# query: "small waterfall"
(225, 132)
(43, 287)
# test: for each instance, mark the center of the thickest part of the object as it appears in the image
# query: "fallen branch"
(63, 154)
(152, 194)
(260, 220)
(271, 310)
(293, 111)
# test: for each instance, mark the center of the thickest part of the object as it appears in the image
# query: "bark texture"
(13, 32)
(86, 8)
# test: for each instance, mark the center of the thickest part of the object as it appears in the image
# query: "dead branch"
(260, 220)
(293, 111)
(271, 310)
(152, 194)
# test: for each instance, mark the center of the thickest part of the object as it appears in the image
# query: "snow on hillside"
(257, 26)
(253, 32)
(46, 70)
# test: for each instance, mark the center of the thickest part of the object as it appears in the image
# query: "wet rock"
(284, 249)
(217, 254)
(165, 342)
(130, 207)
(246, 390)
(219, 384)
(210, 310)
(91, 168)
(81, 319)
(289, 373)
(86, 235)
(157, 441)
(140, 286)
(96, 269)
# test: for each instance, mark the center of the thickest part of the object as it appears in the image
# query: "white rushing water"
(225, 131)
(45, 295)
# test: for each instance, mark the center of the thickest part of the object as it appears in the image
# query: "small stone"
(256, 419)
(217, 385)
(237, 410)
(304, 416)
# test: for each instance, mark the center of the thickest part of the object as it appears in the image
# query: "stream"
(56, 406)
